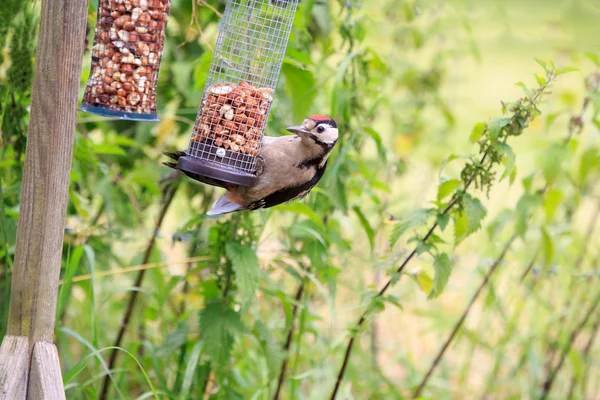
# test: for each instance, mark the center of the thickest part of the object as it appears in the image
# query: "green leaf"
(446, 188)
(513, 176)
(524, 205)
(424, 247)
(523, 86)
(508, 158)
(366, 226)
(460, 226)
(442, 266)
(218, 326)
(542, 63)
(499, 222)
(589, 160)
(338, 83)
(422, 279)
(477, 131)
(552, 161)
(108, 149)
(247, 270)
(414, 219)
(442, 220)
(174, 340)
(495, 126)
(381, 150)
(269, 345)
(547, 247)
(550, 118)
(566, 70)
(451, 158)
(190, 369)
(527, 181)
(552, 200)
(474, 211)
(594, 58)
(540, 79)
(300, 84)
(301, 208)
(75, 370)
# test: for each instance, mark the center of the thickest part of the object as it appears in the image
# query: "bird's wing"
(288, 193)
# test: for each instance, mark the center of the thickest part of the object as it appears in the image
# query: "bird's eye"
(320, 129)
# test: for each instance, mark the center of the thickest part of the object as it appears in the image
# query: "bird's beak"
(298, 130)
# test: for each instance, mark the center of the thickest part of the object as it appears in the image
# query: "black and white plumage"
(291, 167)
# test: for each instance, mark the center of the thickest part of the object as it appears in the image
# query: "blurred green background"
(406, 81)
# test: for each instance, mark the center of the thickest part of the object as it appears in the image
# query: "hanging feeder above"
(128, 46)
(237, 98)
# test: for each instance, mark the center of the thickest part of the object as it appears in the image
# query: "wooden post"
(28, 345)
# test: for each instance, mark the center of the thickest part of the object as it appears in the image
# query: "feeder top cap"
(323, 119)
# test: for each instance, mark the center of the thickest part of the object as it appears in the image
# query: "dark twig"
(586, 358)
(530, 266)
(288, 341)
(463, 317)
(167, 198)
(552, 375)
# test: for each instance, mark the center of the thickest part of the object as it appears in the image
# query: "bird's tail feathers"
(174, 156)
(224, 206)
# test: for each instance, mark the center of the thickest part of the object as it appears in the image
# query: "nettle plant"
(539, 219)
(455, 201)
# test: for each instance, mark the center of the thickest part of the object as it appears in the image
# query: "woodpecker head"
(317, 131)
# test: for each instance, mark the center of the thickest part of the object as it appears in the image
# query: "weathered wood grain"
(14, 367)
(47, 169)
(44, 195)
(45, 379)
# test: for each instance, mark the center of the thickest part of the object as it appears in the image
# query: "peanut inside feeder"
(128, 46)
(238, 95)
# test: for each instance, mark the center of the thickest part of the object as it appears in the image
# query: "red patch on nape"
(320, 118)
(323, 118)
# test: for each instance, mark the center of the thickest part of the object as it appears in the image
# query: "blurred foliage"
(411, 85)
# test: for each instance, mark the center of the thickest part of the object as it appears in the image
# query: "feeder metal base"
(129, 116)
(214, 174)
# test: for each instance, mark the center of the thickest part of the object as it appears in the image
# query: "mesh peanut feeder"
(238, 94)
(128, 46)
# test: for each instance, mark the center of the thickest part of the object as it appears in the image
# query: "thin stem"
(375, 329)
(288, 341)
(586, 358)
(167, 200)
(529, 266)
(511, 327)
(463, 317)
(210, 381)
(182, 353)
(552, 375)
(580, 257)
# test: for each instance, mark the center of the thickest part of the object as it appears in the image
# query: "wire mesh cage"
(128, 46)
(244, 71)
